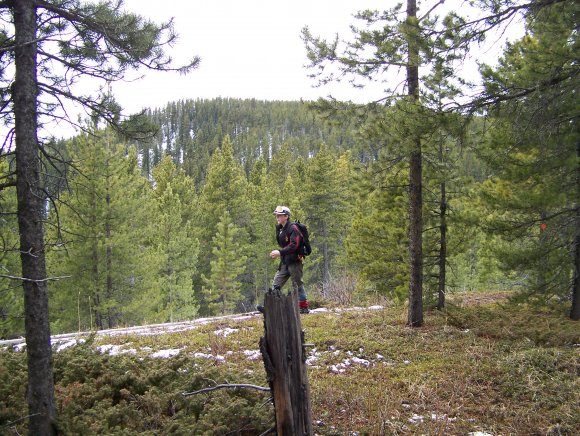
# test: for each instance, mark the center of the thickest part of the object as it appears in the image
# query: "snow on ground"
(333, 360)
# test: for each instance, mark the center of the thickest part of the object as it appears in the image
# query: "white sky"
(249, 49)
(253, 49)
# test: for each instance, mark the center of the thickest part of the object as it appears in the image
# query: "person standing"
(290, 241)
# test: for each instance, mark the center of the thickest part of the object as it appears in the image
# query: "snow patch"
(19, 347)
(363, 362)
(337, 369)
(319, 310)
(225, 332)
(314, 356)
(111, 350)
(68, 344)
(164, 354)
(202, 356)
(253, 354)
(416, 419)
(218, 358)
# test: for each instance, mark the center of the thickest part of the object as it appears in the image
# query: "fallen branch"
(215, 388)
(25, 279)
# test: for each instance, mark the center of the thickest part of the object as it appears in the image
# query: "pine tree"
(377, 238)
(388, 42)
(51, 45)
(102, 229)
(176, 245)
(533, 147)
(222, 289)
(224, 192)
(262, 191)
(325, 203)
(11, 302)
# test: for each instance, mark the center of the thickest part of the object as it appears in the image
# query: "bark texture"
(40, 394)
(415, 315)
(282, 349)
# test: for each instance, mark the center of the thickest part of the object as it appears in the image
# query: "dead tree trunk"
(282, 349)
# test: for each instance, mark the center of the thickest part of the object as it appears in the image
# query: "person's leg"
(281, 277)
(296, 272)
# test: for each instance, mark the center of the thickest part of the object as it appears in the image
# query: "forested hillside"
(190, 131)
(180, 224)
(439, 183)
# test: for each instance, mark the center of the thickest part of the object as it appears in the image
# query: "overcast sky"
(249, 49)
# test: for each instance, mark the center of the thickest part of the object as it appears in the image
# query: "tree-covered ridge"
(190, 131)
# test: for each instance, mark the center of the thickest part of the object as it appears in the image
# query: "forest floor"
(481, 366)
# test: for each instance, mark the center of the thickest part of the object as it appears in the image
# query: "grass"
(494, 368)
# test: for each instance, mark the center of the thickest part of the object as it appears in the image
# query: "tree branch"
(25, 279)
(7, 185)
(224, 386)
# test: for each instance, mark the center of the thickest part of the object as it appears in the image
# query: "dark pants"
(294, 271)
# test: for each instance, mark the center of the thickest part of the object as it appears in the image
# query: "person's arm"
(294, 239)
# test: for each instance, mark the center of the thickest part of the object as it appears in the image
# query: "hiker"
(290, 240)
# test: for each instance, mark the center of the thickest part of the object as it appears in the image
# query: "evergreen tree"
(225, 191)
(176, 247)
(222, 289)
(533, 147)
(324, 202)
(51, 44)
(281, 165)
(103, 229)
(262, 191)
(166, 174)
(11, 303)
(178, 251)
(377, 237)
(386, 42)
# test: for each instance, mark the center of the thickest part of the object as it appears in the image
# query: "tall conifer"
(533, 147)
(222, 288)
(102, 237)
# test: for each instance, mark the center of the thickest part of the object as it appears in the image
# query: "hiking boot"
(260, 308)
(303, 306)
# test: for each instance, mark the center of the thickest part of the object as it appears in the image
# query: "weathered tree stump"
(284, 357)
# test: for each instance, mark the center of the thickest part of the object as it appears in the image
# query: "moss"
(470, 368)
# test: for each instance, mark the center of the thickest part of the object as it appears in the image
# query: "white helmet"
(281, 210)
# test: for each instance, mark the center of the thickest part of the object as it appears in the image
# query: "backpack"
(305, 248)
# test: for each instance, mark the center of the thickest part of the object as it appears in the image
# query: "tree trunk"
(96, 294)
(109, 250)
(442, 247)
(325, 257)
(415, 316)
(30, 214)
(544, 258)
(575, 310)
(285, 362)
